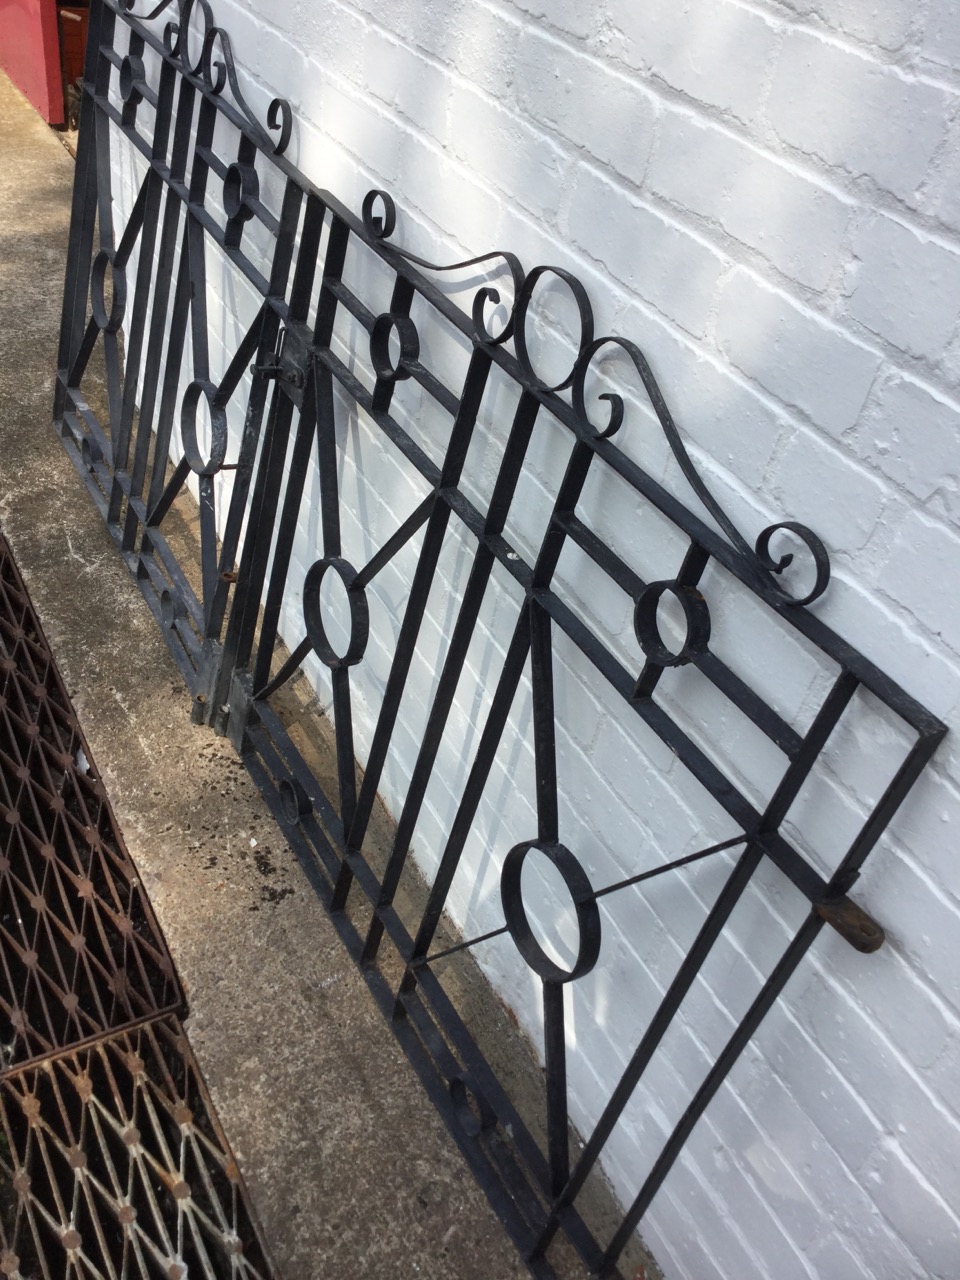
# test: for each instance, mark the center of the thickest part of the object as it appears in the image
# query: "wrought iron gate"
(349, 338)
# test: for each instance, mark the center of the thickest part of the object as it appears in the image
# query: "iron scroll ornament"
(215, 65)
(382, 226)
(218, 72)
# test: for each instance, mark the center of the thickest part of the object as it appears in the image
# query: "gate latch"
(272, 368)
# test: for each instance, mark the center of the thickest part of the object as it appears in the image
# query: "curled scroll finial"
(585, 314)
(379, 216)
(215, 65)
(821, 559)
(759, 555)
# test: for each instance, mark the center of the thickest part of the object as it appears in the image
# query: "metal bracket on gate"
(852, 923)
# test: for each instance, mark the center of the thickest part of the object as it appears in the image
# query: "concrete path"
(351, 1170)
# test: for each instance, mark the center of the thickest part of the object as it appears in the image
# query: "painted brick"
(796, 355)
(723, 62)
(736, 1258)
(797, 224)
(820, 486)
(659, 260)
(927, 1132)
(914, 1208)
(517, 159)
(941, 36)
(823, 1095)
(359, 128)
(566, 15)
(331, 34)
(905, 287)
(403, 79)
(919, 916)
(944, 1071)
(921, 1027)
(421, 22)
(845, 1202)
(924, 555)
(280, 62)
(924, 823)
(775, 1252)
(481, 44)
(912, 435)
(774, 1177)
(942, 198)
(826, 101)
(831, 1257)
(609, 116)
(887, 24)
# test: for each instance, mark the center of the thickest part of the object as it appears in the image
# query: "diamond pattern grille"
(113, 1164)
(80, 950)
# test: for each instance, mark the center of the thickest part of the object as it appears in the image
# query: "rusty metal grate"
(113, 1164)
(81, 953)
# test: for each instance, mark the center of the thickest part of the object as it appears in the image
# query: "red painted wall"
(30, 53)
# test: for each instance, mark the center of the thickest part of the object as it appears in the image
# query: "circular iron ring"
(218, 428)
(133, 77)
(241, 187)
(383, 366)
(111, 322)
(313, 614)
(580, 890)
(647, 628)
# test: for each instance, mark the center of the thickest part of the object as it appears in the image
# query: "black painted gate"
(249, 375)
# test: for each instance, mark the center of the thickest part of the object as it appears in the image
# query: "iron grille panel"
(81, 953)
(505, 474)
(113, 1163)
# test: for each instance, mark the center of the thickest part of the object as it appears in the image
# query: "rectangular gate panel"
(377, 504)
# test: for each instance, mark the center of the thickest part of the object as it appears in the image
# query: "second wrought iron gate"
(559, 709)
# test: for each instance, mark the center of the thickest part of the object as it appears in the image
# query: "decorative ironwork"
(324, 349)
(113, 1163)
(111, 1158)
(80, 951)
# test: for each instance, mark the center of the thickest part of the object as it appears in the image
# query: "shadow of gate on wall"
(345, 427)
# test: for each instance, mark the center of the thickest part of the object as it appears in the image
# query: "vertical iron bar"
(84, 204)
(287, 526)
(544, 726)
(343, 732)
(265, 327)
(555, 1061)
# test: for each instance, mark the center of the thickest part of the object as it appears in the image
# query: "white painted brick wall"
(765, 197)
